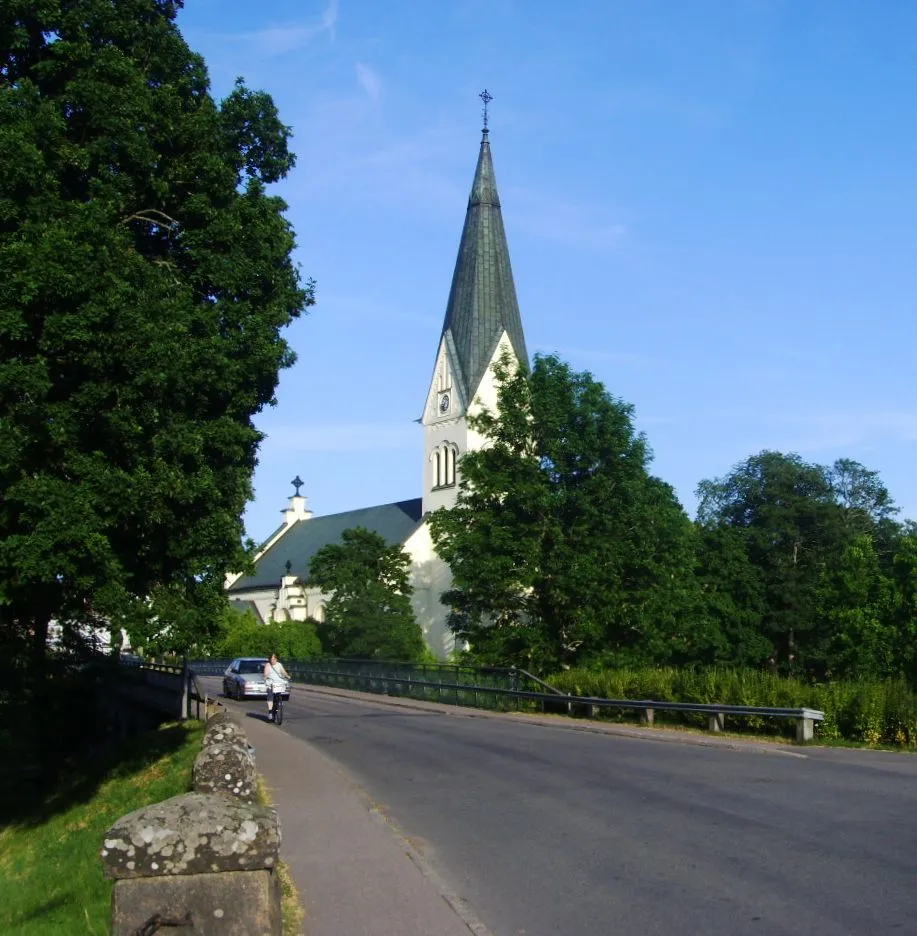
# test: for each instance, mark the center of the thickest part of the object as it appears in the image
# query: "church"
(482, 321)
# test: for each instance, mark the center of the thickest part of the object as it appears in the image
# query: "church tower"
(482, 320)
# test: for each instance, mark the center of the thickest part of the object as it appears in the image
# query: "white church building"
(482, 321)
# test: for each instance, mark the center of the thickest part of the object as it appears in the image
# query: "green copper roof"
(482, 301)
(394, 522)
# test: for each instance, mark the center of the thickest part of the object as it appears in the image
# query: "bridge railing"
(163, 687)
(342, 670)
(504, 690)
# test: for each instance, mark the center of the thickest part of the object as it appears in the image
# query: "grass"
(869, 712)
(292, 911)
(51, 878)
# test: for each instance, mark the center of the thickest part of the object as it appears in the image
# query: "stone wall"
(204, 862)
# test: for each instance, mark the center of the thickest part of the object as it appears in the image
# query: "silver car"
(244, 677)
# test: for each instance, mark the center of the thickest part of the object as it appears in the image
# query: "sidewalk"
(355, 874)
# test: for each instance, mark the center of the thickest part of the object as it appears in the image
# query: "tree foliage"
(562, 546)
(823, 547)
(789, 521)
(243, 634)
(145, 278)
(368, 612)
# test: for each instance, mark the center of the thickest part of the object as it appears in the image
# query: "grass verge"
(869, 712)
(50, 872)
(292, 910)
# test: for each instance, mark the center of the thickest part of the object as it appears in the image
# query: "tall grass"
(864, 711)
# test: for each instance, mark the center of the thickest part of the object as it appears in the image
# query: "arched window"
(443, 463)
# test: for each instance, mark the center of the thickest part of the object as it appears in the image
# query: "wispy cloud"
(851, 427)
(817, 430)
(280, 40)
(369, 82)
(552, 217)
(409, 169)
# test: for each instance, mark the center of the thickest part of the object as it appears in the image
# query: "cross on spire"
(297, 483)
(486, 97)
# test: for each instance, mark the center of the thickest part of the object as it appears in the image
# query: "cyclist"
(276, 678)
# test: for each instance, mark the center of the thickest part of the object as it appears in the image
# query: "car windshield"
(251, 666)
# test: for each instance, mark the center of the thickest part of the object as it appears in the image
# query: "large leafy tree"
(732, 591)
(790, 523)
(145, 278)
(857, 602)
(820, 543)
(563, 548)
(368, 613)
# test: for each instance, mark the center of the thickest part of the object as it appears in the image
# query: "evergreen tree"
(145, 278)
(368, 613)
(563, 548)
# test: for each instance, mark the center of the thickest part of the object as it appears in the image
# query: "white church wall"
(287, 601)
(486, 396)
(447, 431)
(430, 577)
(264, 600)
(445, 435)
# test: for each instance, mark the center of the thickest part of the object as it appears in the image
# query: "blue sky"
(711, 206)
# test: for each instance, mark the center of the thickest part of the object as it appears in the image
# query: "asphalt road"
(552, 832)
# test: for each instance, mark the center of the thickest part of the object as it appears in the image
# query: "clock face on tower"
(444, 402)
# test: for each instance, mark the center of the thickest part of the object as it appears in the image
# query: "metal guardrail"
(539, 682)
(464, 694)
(498, 677)
(497, 688)
(451, 673)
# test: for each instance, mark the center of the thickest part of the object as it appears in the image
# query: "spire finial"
(297, 483)
(486, 97)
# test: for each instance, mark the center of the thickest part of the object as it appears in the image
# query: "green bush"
(245, 635)
(868, 711)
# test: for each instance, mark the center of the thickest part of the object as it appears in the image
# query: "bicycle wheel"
(278, 709)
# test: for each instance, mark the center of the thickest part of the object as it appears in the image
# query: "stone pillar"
(805, 730)
(647, 716)
(717, 721)
(225, 767)
(204, 858)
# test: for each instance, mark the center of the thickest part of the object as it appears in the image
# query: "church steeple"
(482, 302)
(482, 321)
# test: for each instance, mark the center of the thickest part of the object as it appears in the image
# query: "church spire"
(482, 301)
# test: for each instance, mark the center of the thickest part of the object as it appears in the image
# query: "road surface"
(551, 832)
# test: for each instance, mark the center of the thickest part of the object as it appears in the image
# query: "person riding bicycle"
(276, 678)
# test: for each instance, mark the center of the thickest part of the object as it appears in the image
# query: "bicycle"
(277, 700)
